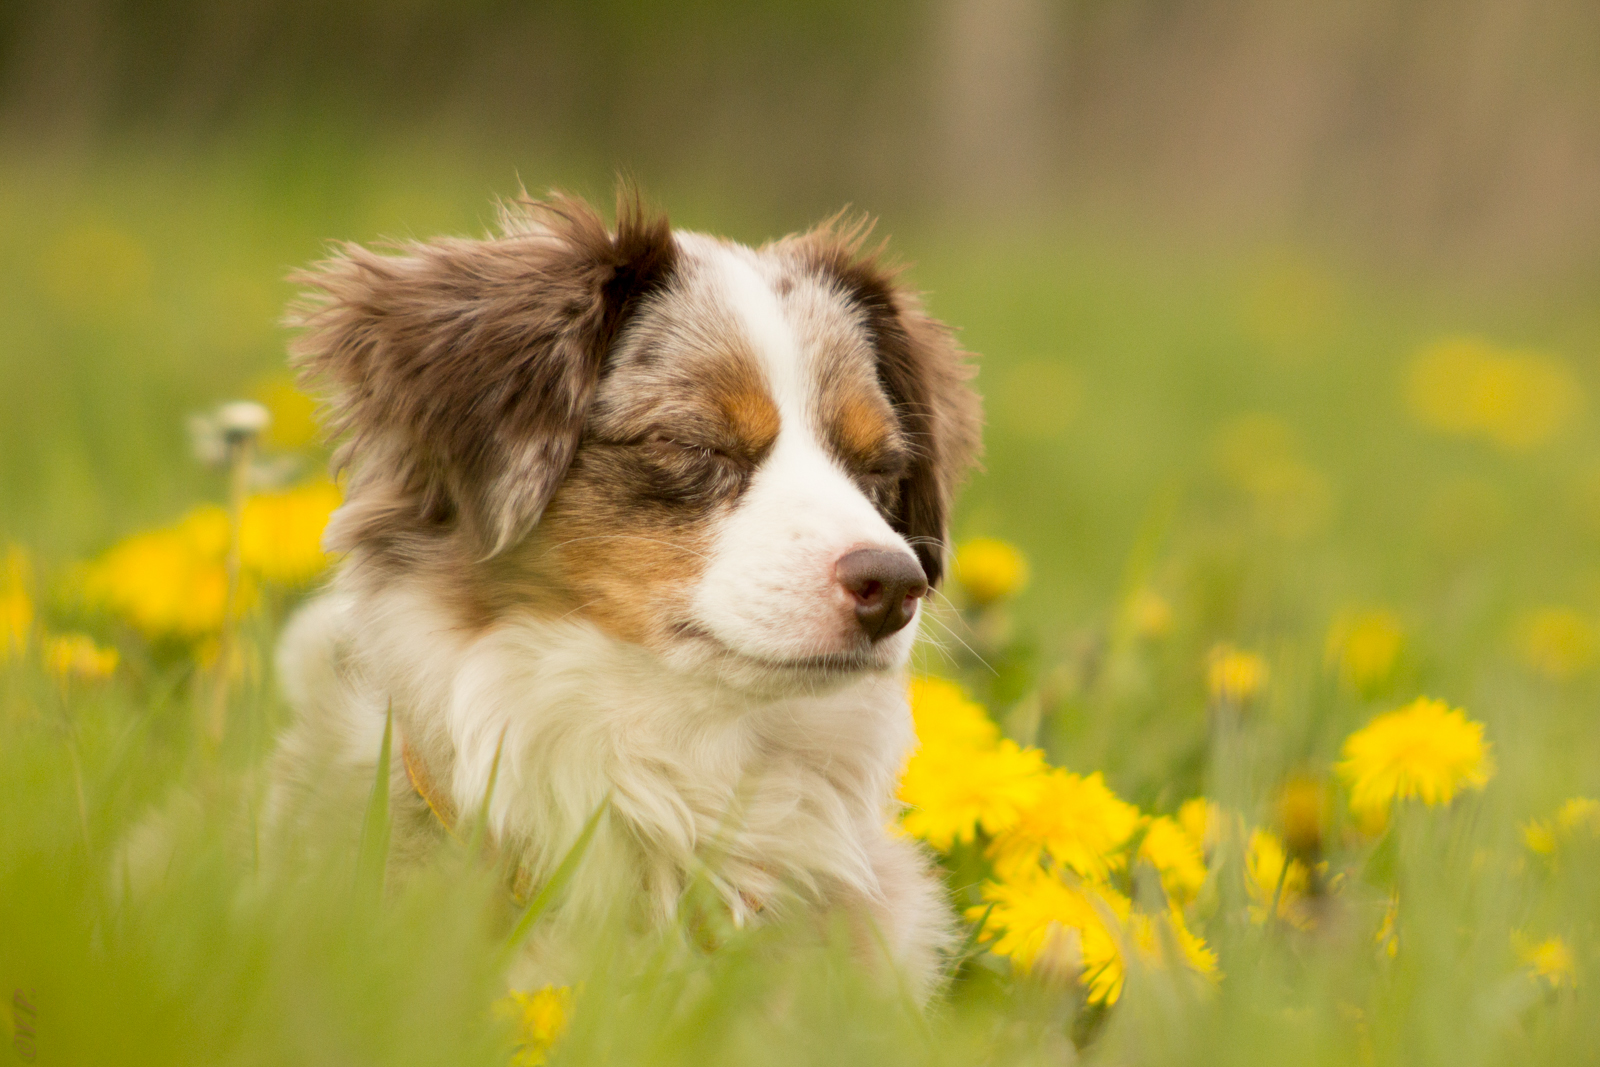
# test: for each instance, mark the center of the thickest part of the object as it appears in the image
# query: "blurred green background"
(1187, 240)
(1240, 274)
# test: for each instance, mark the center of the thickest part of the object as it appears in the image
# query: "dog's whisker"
(969, 648)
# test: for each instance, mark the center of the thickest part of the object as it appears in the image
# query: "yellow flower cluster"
(540, 1018)
(1425, 750)
(1060, 845)
(169, 583)
(1471, 388)
(1055, 841)
(1277, 883)
(990, 569)
(172, 583)
(66, 656)
(966, 777)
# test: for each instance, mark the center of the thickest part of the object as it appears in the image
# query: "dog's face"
(740, 459)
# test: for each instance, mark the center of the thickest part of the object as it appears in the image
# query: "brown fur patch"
(460, 371)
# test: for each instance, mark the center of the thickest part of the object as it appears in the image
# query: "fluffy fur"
(599, 480)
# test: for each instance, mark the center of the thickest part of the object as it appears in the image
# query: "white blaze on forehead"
(761, 314)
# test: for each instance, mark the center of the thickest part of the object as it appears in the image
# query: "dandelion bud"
(1302, 810)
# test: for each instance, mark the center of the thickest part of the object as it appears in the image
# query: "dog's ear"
(925, 374)
(464, 368)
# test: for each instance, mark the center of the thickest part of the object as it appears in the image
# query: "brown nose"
(885, 586)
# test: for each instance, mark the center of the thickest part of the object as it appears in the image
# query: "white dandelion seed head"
(242, 418)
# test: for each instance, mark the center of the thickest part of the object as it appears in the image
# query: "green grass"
(136, 289)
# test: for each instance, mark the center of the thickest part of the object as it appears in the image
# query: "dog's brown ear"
(925, 374)
(464, 368)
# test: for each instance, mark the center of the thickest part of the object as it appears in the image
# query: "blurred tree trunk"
(992, 74)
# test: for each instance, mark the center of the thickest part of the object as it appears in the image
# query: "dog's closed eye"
(666, 442)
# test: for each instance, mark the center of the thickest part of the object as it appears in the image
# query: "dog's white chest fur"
(767, 799)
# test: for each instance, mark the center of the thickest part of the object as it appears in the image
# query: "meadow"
(1239, 508)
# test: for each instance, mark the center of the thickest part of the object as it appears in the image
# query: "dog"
(642, 520)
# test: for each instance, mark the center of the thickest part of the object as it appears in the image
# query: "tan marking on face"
(861, 426)
(752, 418)
(626, 568)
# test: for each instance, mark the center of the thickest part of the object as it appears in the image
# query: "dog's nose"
(885, 586)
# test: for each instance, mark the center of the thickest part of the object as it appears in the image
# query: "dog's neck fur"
(760, 794)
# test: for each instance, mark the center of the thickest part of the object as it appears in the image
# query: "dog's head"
(742, 459)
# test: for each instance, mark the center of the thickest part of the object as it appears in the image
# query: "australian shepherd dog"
(639, 519)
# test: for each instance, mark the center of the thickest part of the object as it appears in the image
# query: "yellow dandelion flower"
(1579, 815)
(77, 656)
(1557, 642)
(1202, 820)
(16, 603)
(1073, 821)
(1152, 935)
(294, 423)
(1425, 750)
(280, 534)
(951, 793)
(1234, 676)
(990, 569)
(945, 716)
(1364, 648)
(1540, 837)
(169, 583)
(1550, 960)
(1271, 875)
(1047, 926)
(1470, 388)
(541, 1017)
(1177, 856)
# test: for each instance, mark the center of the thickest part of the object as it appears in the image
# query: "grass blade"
(480, 825)
(547, 892)
(374, 854)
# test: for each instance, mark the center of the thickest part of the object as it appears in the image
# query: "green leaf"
(547, 892)
(374, 855)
